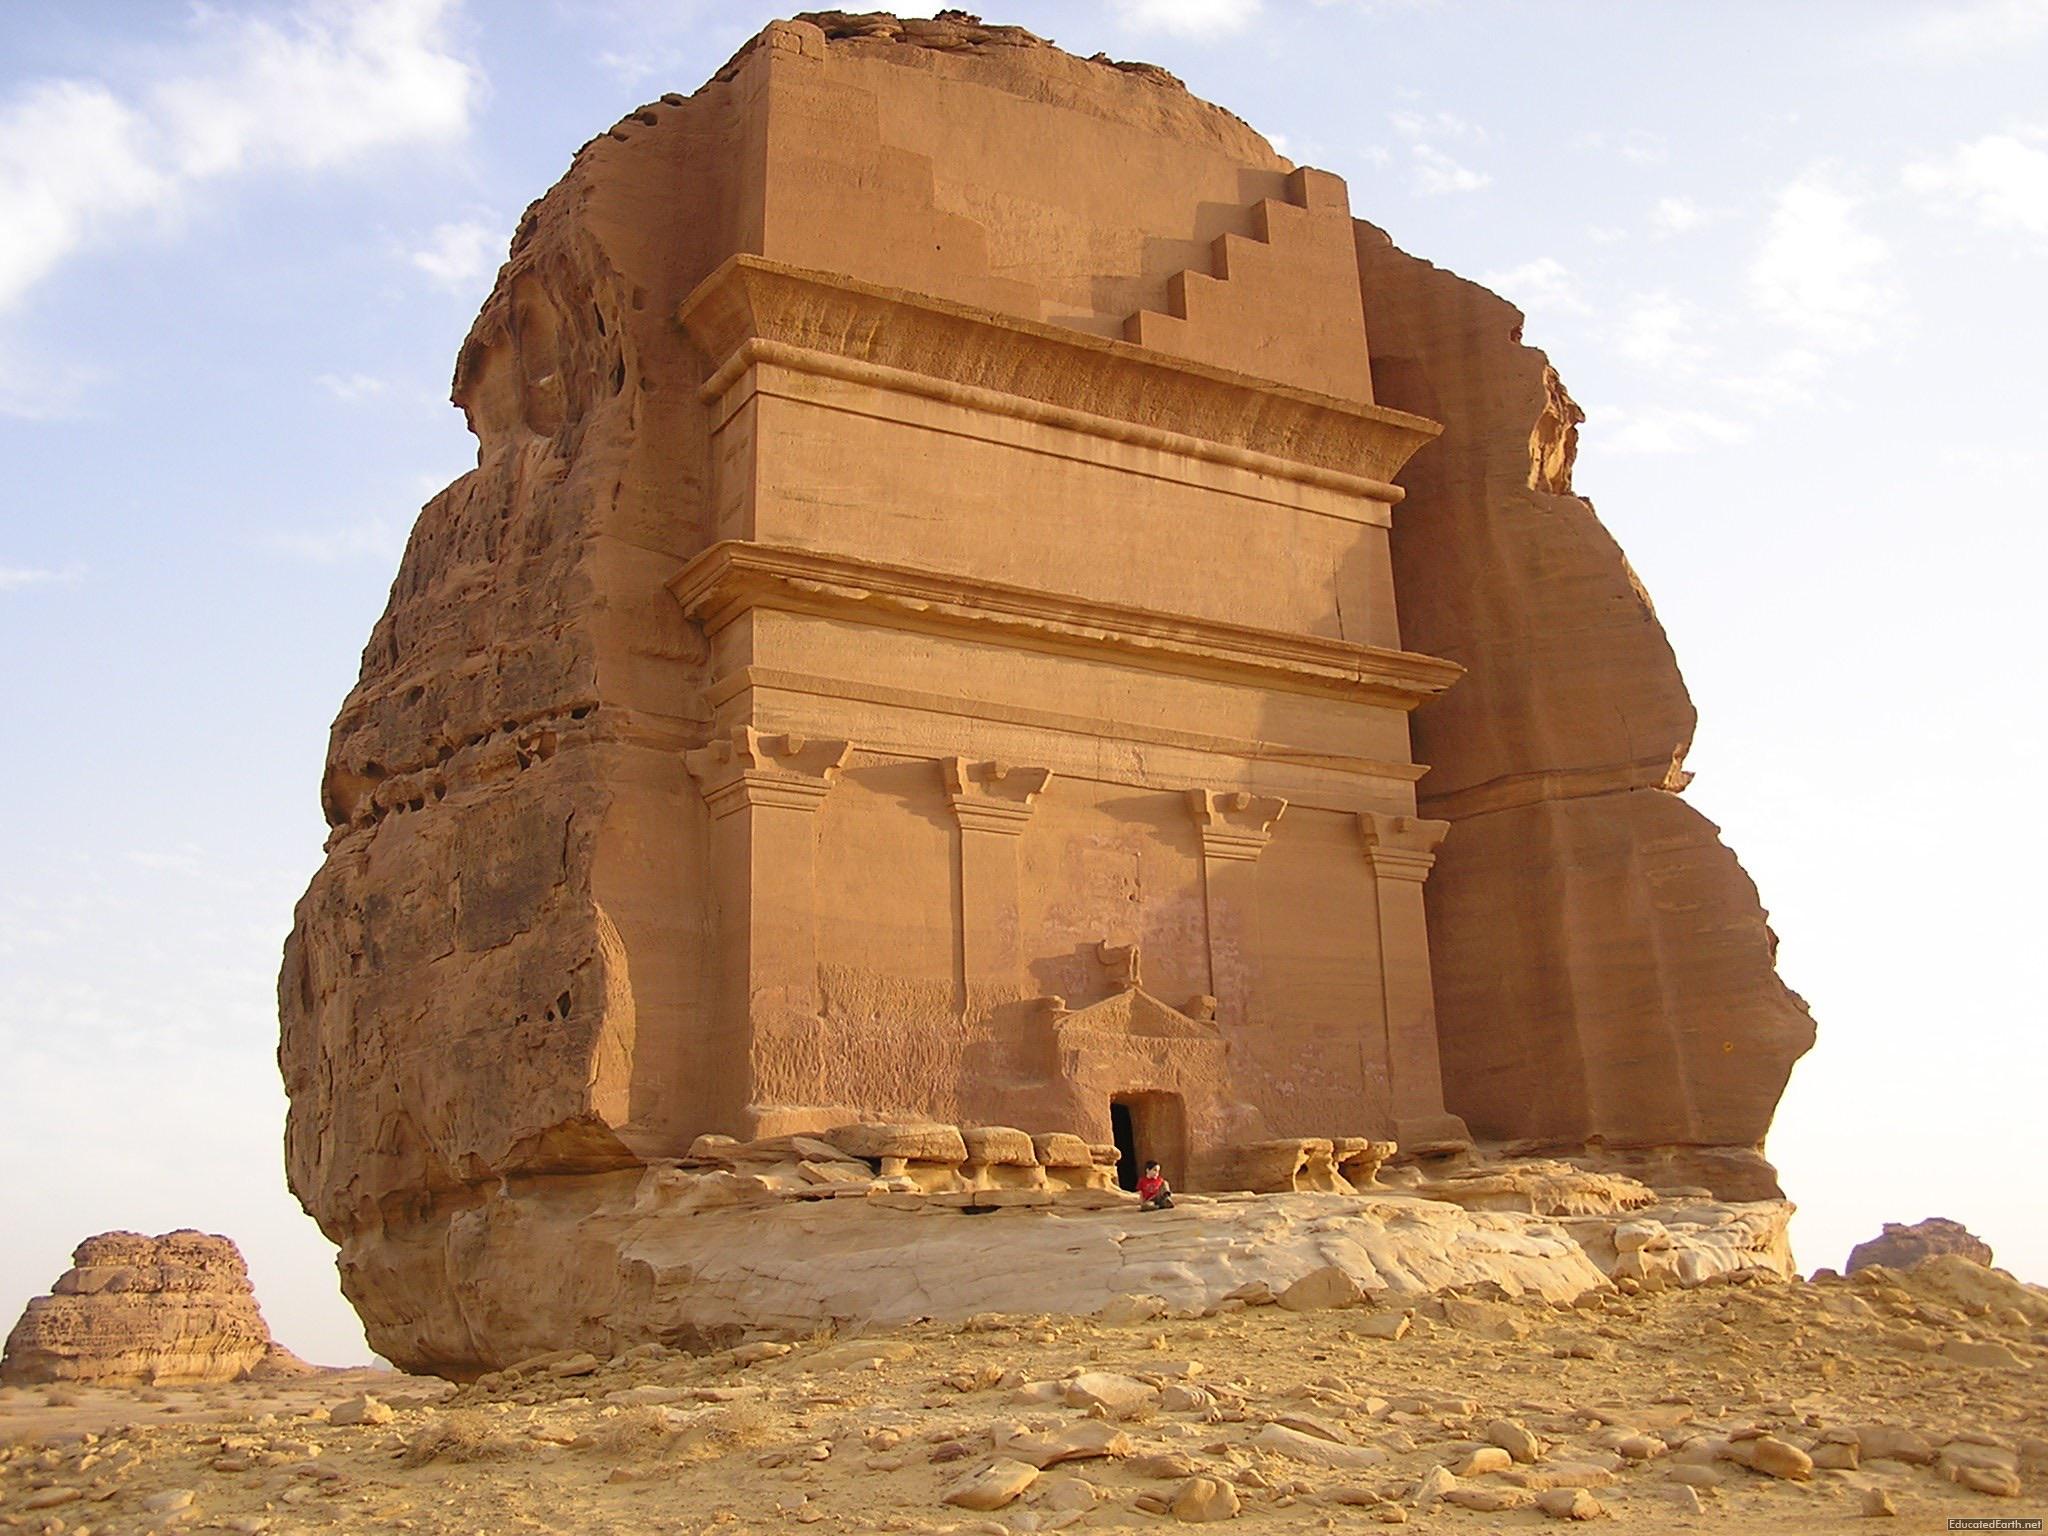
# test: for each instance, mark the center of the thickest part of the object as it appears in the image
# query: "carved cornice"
(993, 797)
(752, 309)
(1400, 847)
(1234, 823)
(748, 769)
(733, 576)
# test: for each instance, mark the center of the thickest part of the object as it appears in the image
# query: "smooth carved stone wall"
(921, 642)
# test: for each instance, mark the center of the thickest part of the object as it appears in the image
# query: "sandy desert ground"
(1730, 1408)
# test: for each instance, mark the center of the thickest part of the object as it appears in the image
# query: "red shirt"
(1149, 1186)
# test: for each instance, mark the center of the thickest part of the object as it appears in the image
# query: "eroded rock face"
(520, 960)
(1604, 972)
(135, 1309)
(1900, 1245)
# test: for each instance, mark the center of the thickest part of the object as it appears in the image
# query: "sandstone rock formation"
(920, 644)
(1604, 974)
(782, 1235)
(135, 1309)
(1900, 1245)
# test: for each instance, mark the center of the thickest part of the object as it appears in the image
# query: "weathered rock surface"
(706, 1257)
(1576, 895)
(135, 1309)
(1304, 1426)
(508, 1002)
(1899, 1244)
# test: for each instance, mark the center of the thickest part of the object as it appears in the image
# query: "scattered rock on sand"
(991, 1486)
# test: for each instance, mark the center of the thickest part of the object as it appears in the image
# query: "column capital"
(993, 796)
(1234, 824)
(1400, 847)
(747, 769)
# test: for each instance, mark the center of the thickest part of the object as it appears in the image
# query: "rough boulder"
(1900, 1245)
(154, 1310)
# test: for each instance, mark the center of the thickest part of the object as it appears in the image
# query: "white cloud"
(1542, 286)
(1637, 146)
(460, 256)
(1957, 32)
(1680, 215)
(323, 85)
(370, 538)
(351, 387)
(1436, 125)
(34, 389)
(1667, 430)
(1656, 331)
(1641, 148)
(1187, 18)
(1433, 172)
(1791, 377)
(2001, 180)
(1436, 174)
(13, 576)
(1819, 270)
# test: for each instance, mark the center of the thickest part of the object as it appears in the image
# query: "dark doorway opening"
(1126, 1137)
(1149, 1127)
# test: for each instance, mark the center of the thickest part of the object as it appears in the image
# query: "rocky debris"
(1533, 1186)
(1577, 1504)
(1301, 1420)
(1204, 1498)
(1321, 1289)
(132, 1309)
(1900, 1245)
(732, 1245)
(362, 1409)
(991, 1486)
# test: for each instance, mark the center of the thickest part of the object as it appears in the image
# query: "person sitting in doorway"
(1154, 1194)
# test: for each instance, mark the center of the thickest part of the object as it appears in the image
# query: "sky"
(1789, 258)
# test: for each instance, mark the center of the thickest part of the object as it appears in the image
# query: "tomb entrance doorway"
(1149, 1127)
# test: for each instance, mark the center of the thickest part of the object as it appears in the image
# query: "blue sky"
(1789, 258)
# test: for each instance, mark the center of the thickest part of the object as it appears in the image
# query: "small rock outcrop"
(1900, 1245)
(146, 1310)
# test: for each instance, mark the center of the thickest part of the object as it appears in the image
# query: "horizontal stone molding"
(924, 724)
(1401, 847)
(1234, 824)
(993, 796)
(733, 576)
(752, 310)
(748, 769)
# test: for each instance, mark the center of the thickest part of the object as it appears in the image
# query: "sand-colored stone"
(920, 647)
(1901, 1244)
(133, 1309)
(859, 1433)
(1576, 894)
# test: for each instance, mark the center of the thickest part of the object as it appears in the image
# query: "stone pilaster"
(1234, 826)
(992, 802)
(763, 793)
(1402, 850)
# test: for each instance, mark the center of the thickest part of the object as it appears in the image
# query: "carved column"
(993, 804)
(1235, 827)
(1401, 850)
(763, 793)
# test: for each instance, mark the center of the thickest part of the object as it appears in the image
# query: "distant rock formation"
(146, 1310)
(1899, 1244)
